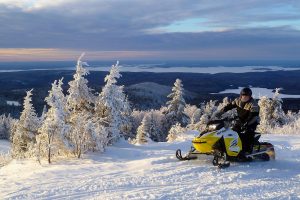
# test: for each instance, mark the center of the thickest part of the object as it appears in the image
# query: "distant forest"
(14, 85)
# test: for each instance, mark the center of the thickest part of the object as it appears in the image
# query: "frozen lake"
(258, 92)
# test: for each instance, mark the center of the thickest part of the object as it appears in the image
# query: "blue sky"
(147, 29)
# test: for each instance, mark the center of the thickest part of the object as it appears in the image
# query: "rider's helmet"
(246, 91)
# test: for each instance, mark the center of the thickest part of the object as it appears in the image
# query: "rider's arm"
(254, 115)
(230, 106)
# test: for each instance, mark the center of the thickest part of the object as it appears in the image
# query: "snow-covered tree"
(265, 114)
(126, 123)
(113, 107)
(80, 96)
(165, 123)
(208, 113)
(143, 130)
(175, 132)
(156, 120)
(87, 135)
(98, 134)
(43, 115)
(86, 129)
(175, 106)
(137, 117)
(25, 130)
(278, 115)
(291, 117)
(193, 113)
(6, 126)
(271, 113)
(291, 127)
(156, 127)
(53, 137)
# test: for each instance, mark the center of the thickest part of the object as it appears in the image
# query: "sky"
(40, 30)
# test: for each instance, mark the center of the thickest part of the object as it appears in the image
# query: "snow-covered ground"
(151, 171)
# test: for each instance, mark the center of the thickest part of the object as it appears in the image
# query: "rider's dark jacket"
(248, 112)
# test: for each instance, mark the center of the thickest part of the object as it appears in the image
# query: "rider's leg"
(249, 137)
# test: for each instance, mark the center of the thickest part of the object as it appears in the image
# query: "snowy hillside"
(151, 171)
(152, 95)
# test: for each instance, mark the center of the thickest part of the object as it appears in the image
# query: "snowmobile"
(225, 145)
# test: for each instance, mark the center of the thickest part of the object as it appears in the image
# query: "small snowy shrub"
(176, 133)
(5, 158)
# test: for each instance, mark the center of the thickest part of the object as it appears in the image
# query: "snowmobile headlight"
(212, 127)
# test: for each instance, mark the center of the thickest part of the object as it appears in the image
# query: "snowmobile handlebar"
(220, 123)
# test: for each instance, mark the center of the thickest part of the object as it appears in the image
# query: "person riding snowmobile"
(248, 118)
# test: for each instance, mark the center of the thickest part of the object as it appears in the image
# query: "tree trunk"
(39, 153)
(49, 149)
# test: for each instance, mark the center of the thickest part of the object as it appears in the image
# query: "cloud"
(170, 25)
(47, 54)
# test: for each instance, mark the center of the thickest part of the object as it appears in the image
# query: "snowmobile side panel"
(205, 143)
(233, 143)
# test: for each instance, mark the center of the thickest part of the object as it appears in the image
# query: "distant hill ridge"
(152, 95)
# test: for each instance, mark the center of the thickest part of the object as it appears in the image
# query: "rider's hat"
(246, 91)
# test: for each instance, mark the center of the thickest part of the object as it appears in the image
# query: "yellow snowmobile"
(225, 145)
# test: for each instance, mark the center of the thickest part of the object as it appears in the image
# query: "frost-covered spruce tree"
(6, 127)
(265, 114)
(113, 107)
(193, 113)
(87, 134)
(143, 130)
(80, 97)
(137, 117)
(165, 123)
(80, 101)
(271, 113)
(24, 138)
(127, 120)
(175, 132)
(156, 119)
(156, 128)
(53, 137)
(175, 106)
(278, 115)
